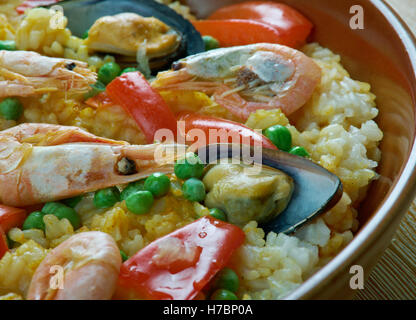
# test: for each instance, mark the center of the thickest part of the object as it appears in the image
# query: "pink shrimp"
(42, 162)
(25, 73)
(247, 78)
(90, 262)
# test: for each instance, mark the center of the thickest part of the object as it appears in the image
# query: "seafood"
(125, 33)
(42, 162)
(25, 73)
(91, 263)
(281, 194)
(182, 39)
(247, 78)
(246, 196)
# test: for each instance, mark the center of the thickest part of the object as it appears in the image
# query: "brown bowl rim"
(397, 202)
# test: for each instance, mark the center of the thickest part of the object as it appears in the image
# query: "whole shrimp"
(91, 264)
(246, 78)
(43, 162)
(25, 73)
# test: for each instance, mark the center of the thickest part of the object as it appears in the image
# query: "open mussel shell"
(316, 190)
(82, 14)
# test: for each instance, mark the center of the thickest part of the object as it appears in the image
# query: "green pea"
(223, 294)
(189, 167)
(124, 256)
(96, 88)
(11, 109)
(227, 279)
(85, 34)
(70, 214)
(132, 188)
(62, 211)
(51, 207)
(106, 198)
(218, 214)
(140, 202)
(72, 202)
(280, 136)
(34, 221)
(194, 190)
(158, 184)
(9, 45)
(210, 43)
(108, 72)
(299, 151)
(126, 70)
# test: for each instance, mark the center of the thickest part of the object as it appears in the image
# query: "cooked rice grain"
(18, 266)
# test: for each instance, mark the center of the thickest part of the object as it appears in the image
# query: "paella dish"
(105, 109)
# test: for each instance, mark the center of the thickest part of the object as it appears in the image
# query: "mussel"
(315, 189)
(125, 33)
(179, 36)
(246, 194)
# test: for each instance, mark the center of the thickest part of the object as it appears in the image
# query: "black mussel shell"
(316, 190)
(82, 14)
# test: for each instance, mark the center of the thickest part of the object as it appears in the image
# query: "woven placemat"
(394, 276)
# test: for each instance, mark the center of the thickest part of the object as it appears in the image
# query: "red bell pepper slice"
(29, 4)
(292, 26)
(237, 32)
(178, 265)
(3, 243)
(11, 217)
(147, 107)
(101, 100)
(218, 130)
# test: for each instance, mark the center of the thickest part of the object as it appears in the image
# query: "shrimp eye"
(177, 65)
(71, 66)
(126, 166)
